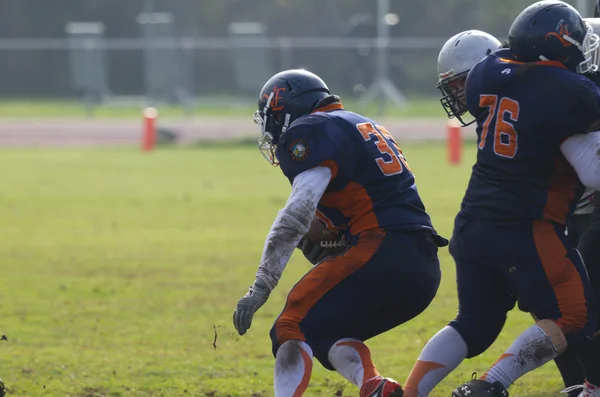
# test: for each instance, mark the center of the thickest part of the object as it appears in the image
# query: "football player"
(350, 169)
(456, 58)
(536, 116)
(584, 231)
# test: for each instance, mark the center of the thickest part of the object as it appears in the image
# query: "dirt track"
(74, 132)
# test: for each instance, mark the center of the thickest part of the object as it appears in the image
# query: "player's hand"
(313, 251)
(256, 297)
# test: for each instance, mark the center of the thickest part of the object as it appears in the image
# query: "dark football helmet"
(285, 97)
(552, 30)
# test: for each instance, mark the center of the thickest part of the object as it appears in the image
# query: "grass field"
(215, 107)
(116, 266)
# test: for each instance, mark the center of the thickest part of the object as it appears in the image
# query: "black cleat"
(480, 388)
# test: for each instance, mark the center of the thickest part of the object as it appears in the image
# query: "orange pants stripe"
(321, 279)
(562, 276)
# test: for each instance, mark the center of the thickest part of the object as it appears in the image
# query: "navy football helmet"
(285, 97)
(552, 30)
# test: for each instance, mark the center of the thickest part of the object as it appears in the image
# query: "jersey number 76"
(389, 159)
(506, 141)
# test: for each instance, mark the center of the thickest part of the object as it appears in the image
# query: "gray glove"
(313, 251)
(256, 297)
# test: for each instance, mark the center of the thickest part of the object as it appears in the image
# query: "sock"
(352, 359)
(441, 355)
(568, 363)
(532, 349)
(293, 367)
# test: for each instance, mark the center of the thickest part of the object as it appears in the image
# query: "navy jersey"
(524, 112)
(371, 185)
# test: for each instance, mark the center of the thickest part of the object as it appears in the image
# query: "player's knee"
(344, 351)
(555, 333)
(281, 332)
(292, 350)
(320, 348)
(479, 334)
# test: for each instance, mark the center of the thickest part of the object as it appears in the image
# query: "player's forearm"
(582, 151)
(283, 237)
(292, 223)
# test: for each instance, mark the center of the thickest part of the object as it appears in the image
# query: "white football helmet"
(456, 58)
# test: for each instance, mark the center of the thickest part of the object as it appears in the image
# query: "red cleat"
(381, 387)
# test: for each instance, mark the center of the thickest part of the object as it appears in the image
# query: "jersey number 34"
(389, 159)
(505, 136)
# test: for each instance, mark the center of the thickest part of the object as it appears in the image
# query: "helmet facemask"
(271, 129)
(590, 50)
(587, 51)
(453, 98)
(265, 141)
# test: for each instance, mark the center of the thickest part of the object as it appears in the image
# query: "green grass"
(116, 266)
(219, 107)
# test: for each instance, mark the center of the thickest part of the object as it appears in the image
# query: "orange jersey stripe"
(540, 63)
(329, 108)
(332, 165)
(354, 202)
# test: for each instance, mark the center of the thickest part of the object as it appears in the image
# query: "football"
(318, 233)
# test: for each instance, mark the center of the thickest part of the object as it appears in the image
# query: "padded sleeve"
(292, 223)
(581, 151)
